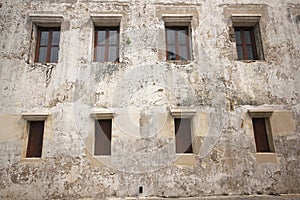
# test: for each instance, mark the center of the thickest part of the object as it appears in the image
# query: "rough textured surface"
(236, 197)
(140, 91)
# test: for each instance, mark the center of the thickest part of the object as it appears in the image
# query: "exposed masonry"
(142, 93)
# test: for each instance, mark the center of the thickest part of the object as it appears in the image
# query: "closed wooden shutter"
(103, 137)
(35, 139)
(183, 136)
(261, 136)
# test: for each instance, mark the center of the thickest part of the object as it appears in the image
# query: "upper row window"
(245, 43)
(106, 44)
(178, 44)
(247, 36)
(47, 45)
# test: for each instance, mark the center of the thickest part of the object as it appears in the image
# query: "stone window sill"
(268, 157)
(185, 159)
(250, 61)
(102, 160)
(29, 160)
(179, 62)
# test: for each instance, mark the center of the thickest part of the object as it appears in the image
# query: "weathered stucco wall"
(141, 91)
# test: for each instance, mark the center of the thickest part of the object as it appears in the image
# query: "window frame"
(38, 20)
(265, 115)
(98, 150)
(253, 22)
(33, 117)
(49, 43)
(187, 44)
(34, 148)
(107, 45)
(178, 144)
(243, 44)
(96, 115)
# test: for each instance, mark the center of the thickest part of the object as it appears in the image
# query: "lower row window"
(183, 136)
(35, 139)
(103, 137)
(262, 135)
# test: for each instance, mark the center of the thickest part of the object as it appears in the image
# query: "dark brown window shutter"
(261, 136)
(183, 136)
(35, 139)
(103, 137)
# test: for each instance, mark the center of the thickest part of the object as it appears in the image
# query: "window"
(183, 135)
(35, 134)
(245, 43)
(178, 43)
(106, 36)
(263, 139)
(262, 130)
(247, 36)
(103, 137)
(106, 44)
(47, 45)
(35, 139)
(177, 35)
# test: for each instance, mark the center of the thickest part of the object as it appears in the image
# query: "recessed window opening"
(248, 36)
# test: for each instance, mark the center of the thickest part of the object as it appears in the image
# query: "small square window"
(47, 45)
(35, 139)
(106, 44)
(263, 137)
(183, 135)
(178, 43)
(103, 137)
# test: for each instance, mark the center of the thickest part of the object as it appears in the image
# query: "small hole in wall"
(141, 189)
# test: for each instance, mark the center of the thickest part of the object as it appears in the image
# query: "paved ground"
(233, 197)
